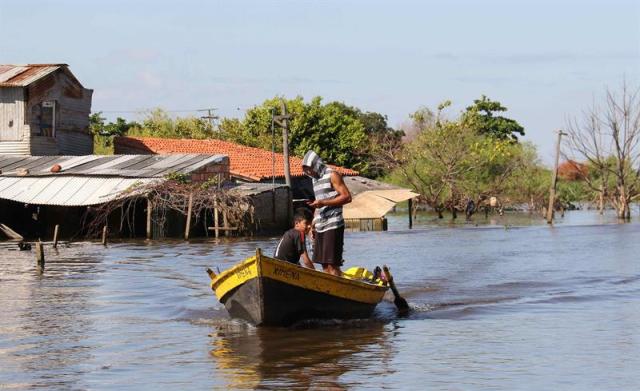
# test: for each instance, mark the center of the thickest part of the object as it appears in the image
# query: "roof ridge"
(230, 143)
(34, 65)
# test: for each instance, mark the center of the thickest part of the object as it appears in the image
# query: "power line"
(143, 110)
(139, 111)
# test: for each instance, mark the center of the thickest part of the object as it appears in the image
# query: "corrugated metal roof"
(66, 191)
(128, 166)
(91, 179)
(23, 75)
(249, 189)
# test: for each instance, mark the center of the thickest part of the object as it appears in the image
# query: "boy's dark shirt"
(291, 246)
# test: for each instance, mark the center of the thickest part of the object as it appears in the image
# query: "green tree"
(450, 162)
(529, 181)
(496, 162)
(158, 123)
(441, 159)
(379, 135)
(334, 130)
(481, 117)
(96, 122)
(255, 129)
(103, 133)
(232, 129)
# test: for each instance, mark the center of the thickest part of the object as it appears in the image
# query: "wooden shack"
(44, 110)
(34, 197)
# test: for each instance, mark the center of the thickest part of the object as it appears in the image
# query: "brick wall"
(212, 170)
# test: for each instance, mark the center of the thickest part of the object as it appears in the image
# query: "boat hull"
(283, 304)
(269, 292)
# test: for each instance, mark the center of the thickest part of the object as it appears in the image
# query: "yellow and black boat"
(269, 292)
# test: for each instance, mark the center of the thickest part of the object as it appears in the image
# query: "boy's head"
(302, 219)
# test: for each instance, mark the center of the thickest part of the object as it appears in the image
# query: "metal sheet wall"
(44, 146)
(15, 147)
(11, 114)
(74, 143)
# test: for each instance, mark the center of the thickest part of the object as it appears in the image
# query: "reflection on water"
(43, 326)
(527, 307)
(306, 356)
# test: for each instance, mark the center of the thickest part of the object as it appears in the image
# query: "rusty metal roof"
(23, 75)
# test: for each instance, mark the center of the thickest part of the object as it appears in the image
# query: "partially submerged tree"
(608, 139)
(450, 163)
(529, 182)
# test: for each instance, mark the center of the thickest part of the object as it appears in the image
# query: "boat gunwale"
(310, 273)
(231, 271)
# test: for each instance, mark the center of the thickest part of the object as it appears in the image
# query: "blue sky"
(545, 60)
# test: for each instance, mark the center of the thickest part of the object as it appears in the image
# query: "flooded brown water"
(525, 307)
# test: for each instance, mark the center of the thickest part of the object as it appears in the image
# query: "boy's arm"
(301, 244)
(306, 261)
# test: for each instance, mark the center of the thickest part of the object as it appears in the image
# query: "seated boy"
(292, 245)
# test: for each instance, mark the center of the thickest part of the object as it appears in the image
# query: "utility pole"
(282, 121)
(210, 115)
(554, 178)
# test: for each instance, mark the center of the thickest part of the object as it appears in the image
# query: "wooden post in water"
(554, 178)
(189, 208)
(225, 223)
(149, 211)
(40, 256)
(410, 206)
(104, 235)
(216, 223)
(55, 236)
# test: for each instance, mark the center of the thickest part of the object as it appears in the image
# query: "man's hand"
(315, 204)
(343, 197)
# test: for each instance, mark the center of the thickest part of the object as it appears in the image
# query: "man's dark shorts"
(328, 247)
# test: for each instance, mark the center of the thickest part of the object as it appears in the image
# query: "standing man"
(331, 193)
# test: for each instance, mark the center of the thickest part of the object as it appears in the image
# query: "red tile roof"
(246, 162)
